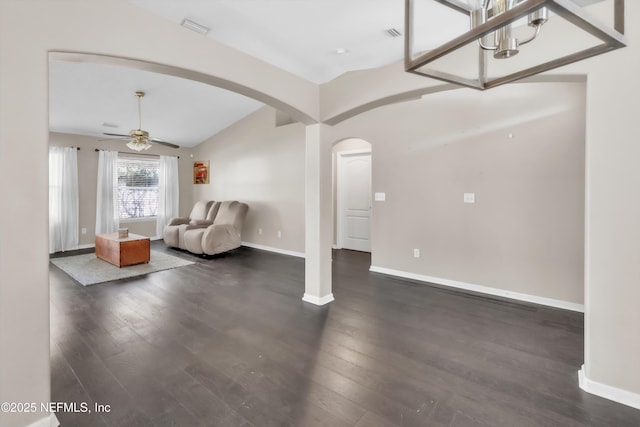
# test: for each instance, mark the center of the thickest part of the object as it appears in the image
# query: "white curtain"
(107, 204)
(168, 192)
(63, 199)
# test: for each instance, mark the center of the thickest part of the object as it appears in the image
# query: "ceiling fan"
(139, 139)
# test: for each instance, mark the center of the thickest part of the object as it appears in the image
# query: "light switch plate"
(380, 197)
(469, 197)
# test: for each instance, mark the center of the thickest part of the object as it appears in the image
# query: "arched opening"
(198, 76)
(89, 152)
(352, 194)
(92, 102)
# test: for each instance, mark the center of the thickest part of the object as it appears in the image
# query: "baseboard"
(608, 392)
(50, 421)
(272, 249)
(482, 289)
(318, 301)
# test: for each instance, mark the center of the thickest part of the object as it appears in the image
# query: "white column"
(612, 240)
(318, 223)
(24, 226)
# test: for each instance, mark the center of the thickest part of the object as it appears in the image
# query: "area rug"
(89, 270)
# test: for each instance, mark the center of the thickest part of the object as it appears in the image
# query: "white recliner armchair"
(221, 236)
(201, 216)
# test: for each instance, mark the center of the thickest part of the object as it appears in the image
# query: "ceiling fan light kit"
(507, 40)
(139, 140)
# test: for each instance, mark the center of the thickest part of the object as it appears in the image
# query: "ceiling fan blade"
(112, 139)
(154, 140)
(168, 144)
(116, 134)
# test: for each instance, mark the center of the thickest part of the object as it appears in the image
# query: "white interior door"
(354, 194)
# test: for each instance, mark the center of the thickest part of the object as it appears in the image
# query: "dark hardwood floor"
(229, 342)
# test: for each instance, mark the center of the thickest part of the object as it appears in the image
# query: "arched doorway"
(352, 194)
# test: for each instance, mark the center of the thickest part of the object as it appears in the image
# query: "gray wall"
(524, 233)
(88, 179)
(262, 165)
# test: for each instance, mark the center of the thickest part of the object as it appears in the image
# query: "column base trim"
(316, 300)
(608, 392)
(50, 421)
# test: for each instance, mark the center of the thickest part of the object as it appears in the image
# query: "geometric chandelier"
(486, 43)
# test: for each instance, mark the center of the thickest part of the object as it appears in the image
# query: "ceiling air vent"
(393, 32)
(194, 26)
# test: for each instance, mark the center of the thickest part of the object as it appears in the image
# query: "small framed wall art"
(201, 172)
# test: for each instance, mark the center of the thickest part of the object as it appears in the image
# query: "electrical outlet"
(416, 253)
(84, 230)
(279, 234)
(260, 231)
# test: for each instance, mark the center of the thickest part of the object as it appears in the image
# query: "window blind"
(137, 187)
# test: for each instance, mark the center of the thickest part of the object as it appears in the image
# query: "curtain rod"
(135, 154)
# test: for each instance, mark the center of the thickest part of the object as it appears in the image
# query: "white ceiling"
(300, 36)
(84, 96)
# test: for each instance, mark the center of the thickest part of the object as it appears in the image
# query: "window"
(137, 187)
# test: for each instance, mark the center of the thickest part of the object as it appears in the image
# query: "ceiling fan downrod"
(139, 95)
